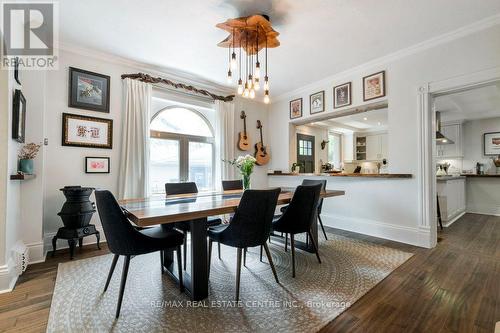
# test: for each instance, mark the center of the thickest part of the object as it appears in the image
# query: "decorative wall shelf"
(21, 177)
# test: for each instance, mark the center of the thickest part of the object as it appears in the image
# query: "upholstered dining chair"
(299, 216)
(125, 240)
(187, 188)
(250, 226)
(230, 185)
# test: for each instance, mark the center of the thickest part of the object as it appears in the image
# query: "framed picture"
(342, 95)
(296, 108)
(19, 116)
(96, 164)
(492, 143)
(374, 86)
(83, 131)
(317, 102)
(88, 90)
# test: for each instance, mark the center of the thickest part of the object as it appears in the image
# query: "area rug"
(153, 303)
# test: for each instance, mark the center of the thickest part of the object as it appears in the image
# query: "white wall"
(406, 71)
(473, 142)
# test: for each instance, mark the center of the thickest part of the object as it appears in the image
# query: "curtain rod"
(149, 79)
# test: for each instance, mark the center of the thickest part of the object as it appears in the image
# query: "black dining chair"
(299, 217)
(231, 185)
(125, 240)
(250, 226)
(187, 188)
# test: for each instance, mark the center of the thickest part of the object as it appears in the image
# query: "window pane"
(301, 151)
(334, 149)
(164, 156)
(182, 121)
(200, 165)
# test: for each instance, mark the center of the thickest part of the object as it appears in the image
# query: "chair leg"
(245, 257)
(286, 241)
(322, 227)
(238, 273)
(218, 249)
(185, 248)
(261, 253)
(126, 264)
(270, 259)
(307, 240)
(292, 246)
(315, 246)
(111, 270)
(161, 262)
(209, 255)
(179, 268)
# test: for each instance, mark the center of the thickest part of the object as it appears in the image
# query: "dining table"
(196, 208)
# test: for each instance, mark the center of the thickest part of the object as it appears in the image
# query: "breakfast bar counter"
(328, 174)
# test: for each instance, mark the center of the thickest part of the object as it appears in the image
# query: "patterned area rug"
(153, 303)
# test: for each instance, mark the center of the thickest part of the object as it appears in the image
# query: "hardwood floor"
(454, 287)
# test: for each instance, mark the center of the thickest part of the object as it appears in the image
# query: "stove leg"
(54, 245)
(98, 237)
(80, 243)
(72, 244)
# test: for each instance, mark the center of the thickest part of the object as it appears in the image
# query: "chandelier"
(250, 34)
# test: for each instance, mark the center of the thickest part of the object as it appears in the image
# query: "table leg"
(195, 278)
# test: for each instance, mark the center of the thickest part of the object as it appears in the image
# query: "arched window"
(181, 149)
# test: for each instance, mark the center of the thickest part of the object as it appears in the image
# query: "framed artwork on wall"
(88, 90)
(317, 102)
(296, 108)
(374, 86)
(97, 165)
(342, 95)
(83, 131)
(18, 116)
(491, 143)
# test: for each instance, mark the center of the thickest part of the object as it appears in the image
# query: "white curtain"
(225, 141)
(133, 180)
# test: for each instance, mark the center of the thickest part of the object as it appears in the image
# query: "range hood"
(440, 138)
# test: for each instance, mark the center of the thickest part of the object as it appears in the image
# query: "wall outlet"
(45, 142)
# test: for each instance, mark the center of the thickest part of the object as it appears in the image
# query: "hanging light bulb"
(229, 76)
(246, 92)
(256, 84)
(240, 87)
(252, 93)
(266, 83)
(257, 70)
(266, 97)
(250, 82)
(234, 63)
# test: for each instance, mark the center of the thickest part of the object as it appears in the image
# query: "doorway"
(305, 153)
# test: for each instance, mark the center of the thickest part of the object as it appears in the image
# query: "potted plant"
(245, 165)
(296, 167)
(26, 155)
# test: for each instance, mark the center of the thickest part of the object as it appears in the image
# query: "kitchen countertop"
(497, 175)
(359, 175)
(450, 177)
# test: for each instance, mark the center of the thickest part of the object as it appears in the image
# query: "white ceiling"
(375, 120)
(318, 38)
(477, 103)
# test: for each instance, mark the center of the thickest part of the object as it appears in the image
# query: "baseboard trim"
(8, 277)
(448, 223)
(483, 210)
(409, 235)
(63, 244)
(36, 253)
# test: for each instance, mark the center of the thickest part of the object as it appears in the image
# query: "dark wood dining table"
(196, 208)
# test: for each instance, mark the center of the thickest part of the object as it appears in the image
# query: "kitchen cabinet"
(451, 196)
(452, 131)
(376, 147)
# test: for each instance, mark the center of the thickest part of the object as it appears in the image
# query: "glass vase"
(246, 182)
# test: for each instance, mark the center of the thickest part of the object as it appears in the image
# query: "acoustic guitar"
(261, 154)
(243, 140)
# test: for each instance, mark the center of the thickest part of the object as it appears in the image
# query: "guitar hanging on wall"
(261, 154)
(243, 140)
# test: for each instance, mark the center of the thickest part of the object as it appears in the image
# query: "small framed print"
(88, 90)
(342, 95)
(84, 131)
(317, 102)
(296, 108)
(492, 143)
(374, 86)
(96, 164)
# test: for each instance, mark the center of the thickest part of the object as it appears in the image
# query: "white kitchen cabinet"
(451, 196)
(376, 147)
(453, 132)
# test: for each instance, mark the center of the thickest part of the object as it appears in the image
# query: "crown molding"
(384, 60)
(171, 73)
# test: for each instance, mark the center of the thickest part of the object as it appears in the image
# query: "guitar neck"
(261, 140)
(245, 125)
